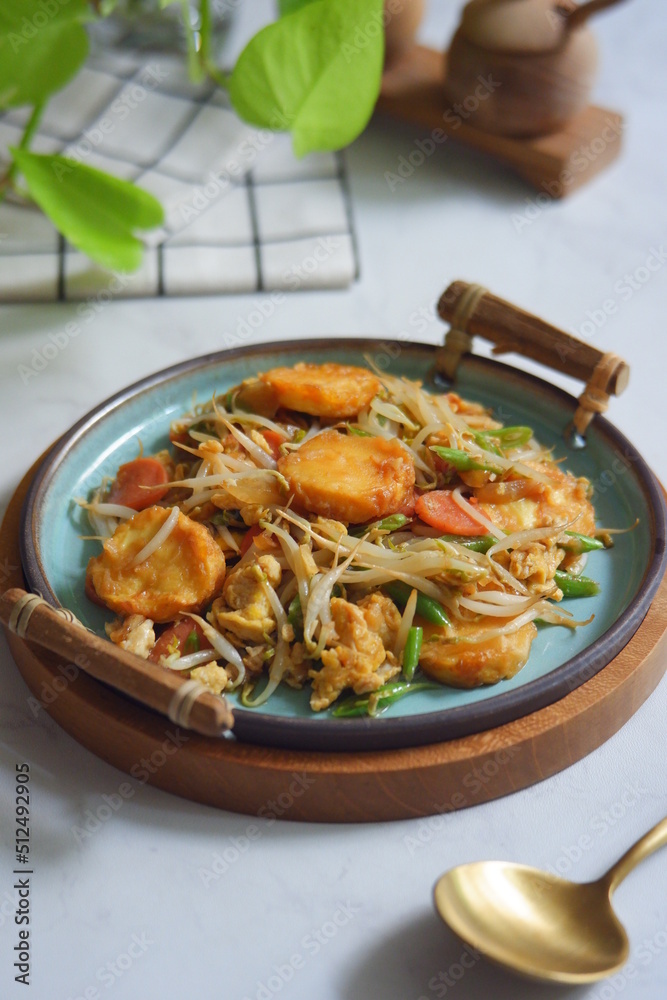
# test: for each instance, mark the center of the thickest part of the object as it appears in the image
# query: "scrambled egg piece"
(563, 499)
(474, 663)
(251, 617)
(536, 563)
(212, 676)
(183, 574)
(348, 478)
(382, 617)
(355, 658)
(135, 634)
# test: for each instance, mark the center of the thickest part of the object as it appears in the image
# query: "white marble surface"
(125, 911)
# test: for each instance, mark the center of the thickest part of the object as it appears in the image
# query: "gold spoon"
(538, 924)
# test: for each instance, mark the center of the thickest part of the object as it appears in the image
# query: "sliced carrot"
(274, 441)
(249, 537)
(441, 511)
(176, 639)
(129, 488)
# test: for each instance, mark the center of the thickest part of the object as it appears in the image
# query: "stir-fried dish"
(327, 527)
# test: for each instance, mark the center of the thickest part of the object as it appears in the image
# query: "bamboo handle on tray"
(473, 311)
(186, 702)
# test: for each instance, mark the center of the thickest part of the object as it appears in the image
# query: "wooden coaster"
(556, 164)
(336, 787)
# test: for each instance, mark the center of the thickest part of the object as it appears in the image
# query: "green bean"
(582, 543)
(478, 544)
(295, 613)
(462, 461)
(411, 651)
(391, 523)
(429, 609)
(576, 586)
(507, 437)
(360, 705)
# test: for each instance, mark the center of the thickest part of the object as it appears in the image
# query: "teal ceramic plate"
(55, 557)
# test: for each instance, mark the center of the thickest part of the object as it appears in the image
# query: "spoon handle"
(650, 842)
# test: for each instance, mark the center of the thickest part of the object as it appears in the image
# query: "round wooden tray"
(337, 787)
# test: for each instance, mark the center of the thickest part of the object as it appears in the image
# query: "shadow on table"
(425, 961)
(386, 165)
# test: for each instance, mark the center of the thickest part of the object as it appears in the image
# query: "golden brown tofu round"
(564, 498)
(330, 390)
(183, 574)
(351, 479)
(472, 664)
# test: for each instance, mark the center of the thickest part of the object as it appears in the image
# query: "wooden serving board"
(556, 164)
(337, 787)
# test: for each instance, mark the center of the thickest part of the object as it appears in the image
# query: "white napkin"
(242, 213)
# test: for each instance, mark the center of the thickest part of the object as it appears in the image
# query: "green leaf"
(96, 212)
(42, 45)
(289, 6)
(315, 72)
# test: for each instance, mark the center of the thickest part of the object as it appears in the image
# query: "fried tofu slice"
(564, 499)
(330, 390)
(348, 478)
(473, 661)
(183, 574)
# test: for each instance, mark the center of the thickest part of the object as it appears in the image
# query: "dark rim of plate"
(386, 733)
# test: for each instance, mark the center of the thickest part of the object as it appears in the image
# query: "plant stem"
(194, 66)
(217, 75)
(205, 32)
(26, 138)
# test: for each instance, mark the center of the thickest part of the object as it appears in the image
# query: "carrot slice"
(249, 537)
(441, 511)
(175, 639)
(129, 486)
(274, 441)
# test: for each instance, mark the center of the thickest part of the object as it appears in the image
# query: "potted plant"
(314, 72)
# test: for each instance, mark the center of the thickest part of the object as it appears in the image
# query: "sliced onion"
(509, 490)
(160, 536)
